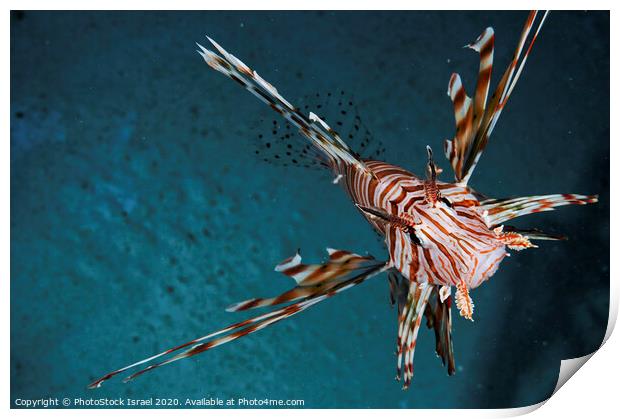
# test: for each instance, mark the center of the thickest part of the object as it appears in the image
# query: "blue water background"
(139, 211)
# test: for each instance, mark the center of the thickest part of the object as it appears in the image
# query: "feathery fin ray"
(312, 279)
(475, 120)
(321, 135)
(502, 210)
(474, 124)
(246, 327)
(438, 315)
(409, 320)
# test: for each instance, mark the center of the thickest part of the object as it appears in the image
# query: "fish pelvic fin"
(412, 307)
(438, 315)
(245, 327)
(476, 119)
(335, 151)
(437, 312)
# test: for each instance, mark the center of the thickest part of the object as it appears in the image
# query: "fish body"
(452, 243)
(440, 236)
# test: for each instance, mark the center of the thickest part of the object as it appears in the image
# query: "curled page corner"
(568, 367)
(519, 411)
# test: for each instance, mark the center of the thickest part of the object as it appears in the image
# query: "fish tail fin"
(246, 327)
(476, 119)
(502, 210)
(335, 151)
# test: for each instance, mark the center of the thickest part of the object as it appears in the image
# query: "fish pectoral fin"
(242, 328)
(313, 279)
(502, 210)
(326, 140)
(339, 263)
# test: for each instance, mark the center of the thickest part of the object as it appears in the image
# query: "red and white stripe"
(438, 235)
(457, 244)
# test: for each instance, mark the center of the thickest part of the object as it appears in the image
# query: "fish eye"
(414, 238)
(446, 201)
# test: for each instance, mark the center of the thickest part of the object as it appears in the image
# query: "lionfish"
(439, 235)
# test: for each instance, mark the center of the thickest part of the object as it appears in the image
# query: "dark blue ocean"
(139, 209)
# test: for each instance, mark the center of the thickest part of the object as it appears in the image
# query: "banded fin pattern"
(474, 124)
(502, 210)
(408, 327)
(463, 114)
(438, 315)
(461, 240)
(312, 127)
(312, 279)
(243, 328)
(437, 312)
(277, 143)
